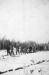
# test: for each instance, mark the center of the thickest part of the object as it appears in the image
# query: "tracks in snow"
(39, 62)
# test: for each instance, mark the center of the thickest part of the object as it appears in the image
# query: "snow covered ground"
(26, 64)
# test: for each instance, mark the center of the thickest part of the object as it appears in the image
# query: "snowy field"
(26, 64)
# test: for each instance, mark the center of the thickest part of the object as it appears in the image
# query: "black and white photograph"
(24, 37)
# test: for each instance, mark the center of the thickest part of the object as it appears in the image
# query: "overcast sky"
(25, 20)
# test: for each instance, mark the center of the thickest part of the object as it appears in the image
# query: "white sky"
(25, 20)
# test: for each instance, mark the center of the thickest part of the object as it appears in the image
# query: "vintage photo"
(24, 37)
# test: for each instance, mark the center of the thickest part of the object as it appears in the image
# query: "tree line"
(26, 47)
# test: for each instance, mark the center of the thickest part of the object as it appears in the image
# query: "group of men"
(13, 51)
